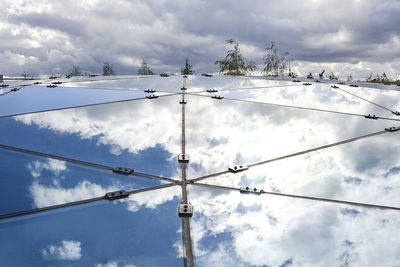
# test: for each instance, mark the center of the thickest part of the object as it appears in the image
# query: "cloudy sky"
(348, 37)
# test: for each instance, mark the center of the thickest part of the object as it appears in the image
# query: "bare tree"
(75, 71)
(188, 68)
(108, 70)
(321, 75)
(332, 76)
(235, 63)
(145, 69)
(275, 63)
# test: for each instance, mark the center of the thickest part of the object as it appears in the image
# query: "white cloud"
(67, 250)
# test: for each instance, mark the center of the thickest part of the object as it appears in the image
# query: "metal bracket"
(392, 129)
(306, 84)
(237, 168)
(183, 158)
(334, 86)
(122, 170)
(219, 97)
(15, 89)
(37, 83)
(150, 91)
(372, 117)
(296, 81)
(342, 83)
(117, 195)
(164, 75)
(151, 96)
(397, 113)
(185, 210)
(183, 102)
(212, 91)
(248, 190)
(4, 85)
(206, 75)
(353, 85)
(52, 86)
(58, 82)
(183, 88)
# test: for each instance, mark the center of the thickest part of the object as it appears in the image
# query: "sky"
(344, 36)
(228, 228)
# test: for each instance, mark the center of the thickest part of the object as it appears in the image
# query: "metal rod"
(373, 103)
(293, 154)
(297, 107)
(186, 235)
(81, 162)
(81, 106)
(79, 202)
(365, 205)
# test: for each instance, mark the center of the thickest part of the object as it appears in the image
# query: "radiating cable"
(364, 205)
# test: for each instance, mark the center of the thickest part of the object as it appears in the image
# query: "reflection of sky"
(228, 229)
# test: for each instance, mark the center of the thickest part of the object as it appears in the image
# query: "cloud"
(88, 33)
(67, 250)
(55, 166)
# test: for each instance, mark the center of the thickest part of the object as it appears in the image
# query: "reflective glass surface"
(233, 229)
(39, 98)
(228, 228)
(221, 133)
(140, 231)
(36, 182)
(154, 82)
(143, 135)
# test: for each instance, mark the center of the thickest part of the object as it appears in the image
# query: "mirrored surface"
(233, 229)
(155, 82)
(35, 182)
(316, 95)
(365, 171)
(141, 135)
(223, 133)
(39, 98)
(143, 230)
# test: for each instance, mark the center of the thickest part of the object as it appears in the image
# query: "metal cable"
(81, 162)
(82, 106)
(293, 154)
(296, 107)
(79, 202)
(365, 205)
(378, 105)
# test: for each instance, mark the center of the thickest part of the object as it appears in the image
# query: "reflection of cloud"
(112, 264)
(152, 199)
(52, 195)
(55, 166)
(67, 250)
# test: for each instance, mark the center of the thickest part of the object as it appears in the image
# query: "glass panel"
(200, 83)
(233, 229)
(221, 133)
(33, 182)
(365, 171)
(155, 82)
(142, 135)
(319, 95)
(141, 231)
(38, 98)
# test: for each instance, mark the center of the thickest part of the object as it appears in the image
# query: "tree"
(332, 76)
(234, 62)
(275, 63)
(108, 70)
(75, 71)
(321, 75)
(188, 68)
(145, 69)
(349, 78)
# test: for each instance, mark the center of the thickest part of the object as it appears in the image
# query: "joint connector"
(237, 168)
(117, 195)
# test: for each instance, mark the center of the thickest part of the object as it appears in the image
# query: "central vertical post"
(183, 160)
